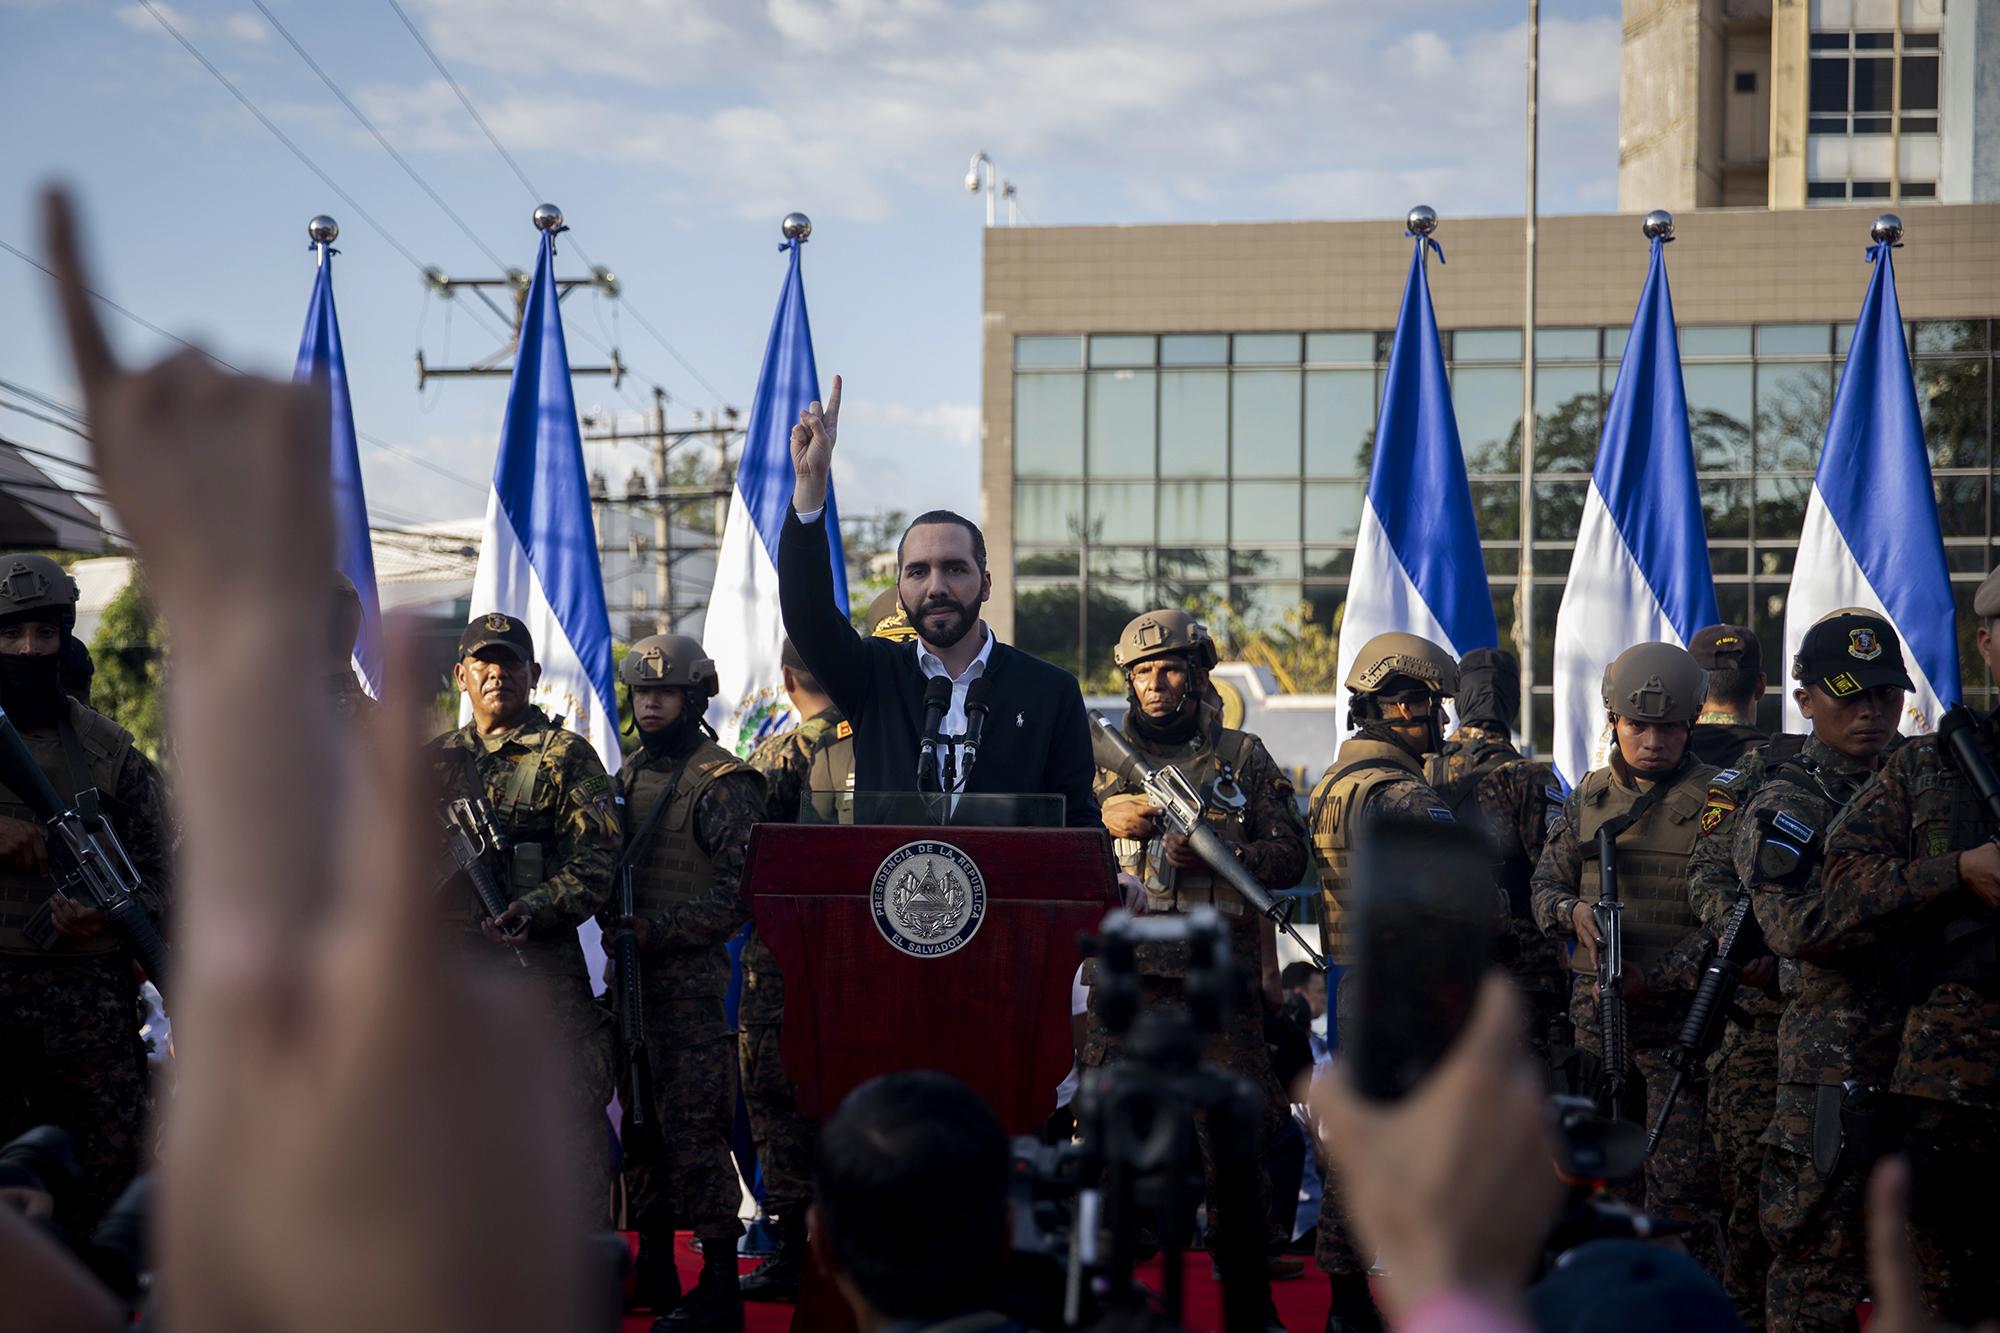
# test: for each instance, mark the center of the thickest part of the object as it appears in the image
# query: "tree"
(129, 650)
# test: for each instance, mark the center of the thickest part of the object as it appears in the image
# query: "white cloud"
(248, 29)
(956, 424)
(1099, 112)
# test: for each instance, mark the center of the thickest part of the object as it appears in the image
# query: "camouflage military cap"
(1849, 651)
(34, 587)
(1158, 633)
(887, 619)
(1655, 682)
(669, 660)
(494, 630)
(1399, 654)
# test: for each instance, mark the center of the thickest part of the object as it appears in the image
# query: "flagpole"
(324, 232)
(1524, 583)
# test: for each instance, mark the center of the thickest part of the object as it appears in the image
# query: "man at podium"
(955, 711)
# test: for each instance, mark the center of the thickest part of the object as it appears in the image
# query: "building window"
(1919, 189)
(1746, 80)
(1870, 189)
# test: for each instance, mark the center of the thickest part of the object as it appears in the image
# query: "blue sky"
(675, 134)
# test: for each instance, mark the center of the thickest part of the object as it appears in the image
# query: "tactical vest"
(671, 868)
(1959, 945)
(1362, 765)
(1515, 872)
(1213, 769)
(1652, 860)
(22, 893)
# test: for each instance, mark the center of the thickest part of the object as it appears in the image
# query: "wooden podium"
(923, 947)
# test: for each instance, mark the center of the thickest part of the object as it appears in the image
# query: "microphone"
(937, 701)
(977, 695)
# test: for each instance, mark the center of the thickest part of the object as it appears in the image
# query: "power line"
(43, 417)
(38, 397)
(369, 125)
(529, 186)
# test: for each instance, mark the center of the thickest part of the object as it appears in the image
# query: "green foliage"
(129, 650)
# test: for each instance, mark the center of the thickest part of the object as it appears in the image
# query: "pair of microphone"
(964, 747)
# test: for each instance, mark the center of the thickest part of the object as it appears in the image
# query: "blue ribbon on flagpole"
(1431, 241)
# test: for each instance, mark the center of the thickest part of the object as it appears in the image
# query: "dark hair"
(897, 1145)
(1297, 974)
(944, 516)
(1733, 685)
(805, 680)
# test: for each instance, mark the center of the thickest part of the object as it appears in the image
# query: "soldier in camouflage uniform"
(1653, 793)
(1166, 656)
(555, 811)
(1913, 866)
(1484, 780)
(70, 1052)
(689, 809)
(1396, 697)
(1806, 1268)
(815, 756)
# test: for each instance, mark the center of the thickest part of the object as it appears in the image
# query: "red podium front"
(923, 947)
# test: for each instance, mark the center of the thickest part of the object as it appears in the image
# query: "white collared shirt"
(954, 717)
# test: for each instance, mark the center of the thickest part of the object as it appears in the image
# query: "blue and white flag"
(1640, 572)
(744, 631)
(1871, 535)
(538, 559)
(1418, 567)
(321, 362)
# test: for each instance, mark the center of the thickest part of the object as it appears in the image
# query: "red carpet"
(1301, 1301)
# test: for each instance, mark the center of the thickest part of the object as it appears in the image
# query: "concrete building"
(1184, 414)
(1789, 103)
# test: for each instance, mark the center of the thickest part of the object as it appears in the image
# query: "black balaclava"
(31, 690)
(1176, 730)
(1489, 689)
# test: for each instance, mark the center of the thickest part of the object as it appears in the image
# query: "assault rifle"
(470, 836)
(89, 862)
(642, 1121)
(1742, 942)
(1607, 914)
(1184, 808)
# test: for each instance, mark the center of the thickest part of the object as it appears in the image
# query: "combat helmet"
(1157, 633)
(1655, 682)
(35, 583)
(676, 660)
(1398, 654)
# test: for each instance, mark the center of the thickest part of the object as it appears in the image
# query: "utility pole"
(1524, 584)
(660, 442)
(501, 360)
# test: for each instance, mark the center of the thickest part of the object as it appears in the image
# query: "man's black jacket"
(1037, 739)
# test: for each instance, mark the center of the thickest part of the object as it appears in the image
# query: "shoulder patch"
(1441, 815)
(1726, 776)
(1720, 805)
(843, 731)
(593, 787)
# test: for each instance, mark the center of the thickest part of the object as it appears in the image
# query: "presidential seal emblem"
(929, 899)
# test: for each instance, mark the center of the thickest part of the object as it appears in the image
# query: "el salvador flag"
(1418, 567)
(323, 363)
(1640, 572)
(538, 561)
(1871, 533)
(744, 631)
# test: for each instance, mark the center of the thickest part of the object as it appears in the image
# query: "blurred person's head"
(1632, 1286)
(1734, 660)
(1852, 681)
(911, 1215)
(1307, 982)
(1652, 694)
(37, 613)
(75, 670)
(1986, 606)
(941, 576)
(802, 687)
(496, 670)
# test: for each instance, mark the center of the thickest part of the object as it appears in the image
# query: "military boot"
(778, 1277)
(1353, 1308)
(656, 1283)
(715, 1303)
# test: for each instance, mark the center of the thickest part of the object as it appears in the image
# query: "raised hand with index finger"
(812, 451)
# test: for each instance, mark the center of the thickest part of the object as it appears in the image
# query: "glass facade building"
(1225, 472)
